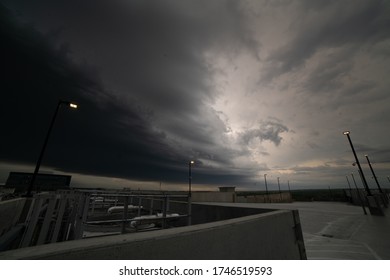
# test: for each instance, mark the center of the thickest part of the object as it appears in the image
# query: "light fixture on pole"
(348, 183)
(358, 194)
(38, 164)
(358, 163)
(373, 174)
(289, 190)
(190, 163)
(280, 193)
(350, 189)
(288, 184)
(266, 187)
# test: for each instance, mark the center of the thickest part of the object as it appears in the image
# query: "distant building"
(43, 182)
(227, 189)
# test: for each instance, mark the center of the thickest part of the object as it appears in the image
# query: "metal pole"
(358, 164)
(348, 182)
(139, 206)
(280, 193)
(151, 206)
(164, 214)
(189, 179)
(288, 184)
(37, 166)
(361, 177)
(125, 212)
(387, 192)
(373, 174)
(189, 193)
(358, 193)
(350, 189)
(266, 187)
(330, 192)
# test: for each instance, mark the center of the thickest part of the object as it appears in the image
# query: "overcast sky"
(244, 88)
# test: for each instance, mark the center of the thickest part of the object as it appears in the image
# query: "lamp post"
(38, 164)
(358, 193)
(350, 189)
(358, 163)
(373, 174)
(348, 183)
(280, 193)
(266, 187)
(289, 190)
(190, 163)
(288, 184)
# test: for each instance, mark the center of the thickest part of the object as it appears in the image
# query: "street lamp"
(373, 174)
(288, 184)
(266, 187)
(350, 189)
(358, 164)
(358, 194)
(37, 166)
(190, 163)
(280, 193)
(348, 183)
(289, 190)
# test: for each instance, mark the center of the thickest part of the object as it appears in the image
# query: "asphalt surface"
(338, 231)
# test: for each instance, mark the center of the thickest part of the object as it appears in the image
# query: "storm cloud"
(241, 87)
(268, 130)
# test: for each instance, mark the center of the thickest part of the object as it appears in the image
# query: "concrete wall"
(232, 197)
(202, 212)
(10, 211)
(213, 197)
(272, 235)
(271, 198)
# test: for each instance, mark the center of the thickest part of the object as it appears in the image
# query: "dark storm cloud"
(377, 154)
(163, 82)
(327, 76)
(102, 137)
(137, 70)
(322, 24)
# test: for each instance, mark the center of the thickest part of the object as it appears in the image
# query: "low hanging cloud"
(269, 130)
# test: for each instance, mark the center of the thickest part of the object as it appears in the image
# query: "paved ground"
(339, 231)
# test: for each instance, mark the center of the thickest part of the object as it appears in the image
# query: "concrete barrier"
(271, 235)
(233, 197)
(213, 196)
(264, 198)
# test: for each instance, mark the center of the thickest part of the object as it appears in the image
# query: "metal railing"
(136, 209)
